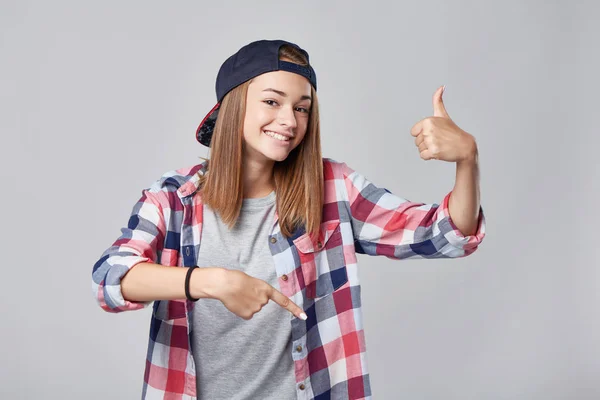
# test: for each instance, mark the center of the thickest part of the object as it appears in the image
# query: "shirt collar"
(190, 183)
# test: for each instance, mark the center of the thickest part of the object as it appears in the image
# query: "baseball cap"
(253, 59)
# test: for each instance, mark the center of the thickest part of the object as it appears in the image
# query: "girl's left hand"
(439, 138)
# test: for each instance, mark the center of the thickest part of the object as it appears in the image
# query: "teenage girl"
(264, 302)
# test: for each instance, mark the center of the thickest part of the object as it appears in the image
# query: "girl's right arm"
(239, 292)
(140, 242)
(127, 276)
(149, 281)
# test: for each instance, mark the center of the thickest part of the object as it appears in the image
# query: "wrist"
(472, 155)
(205, 282)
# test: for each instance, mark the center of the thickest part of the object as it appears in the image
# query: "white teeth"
(276, 136)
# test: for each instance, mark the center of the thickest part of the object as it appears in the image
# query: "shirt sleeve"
(388, 225)
(140, 241)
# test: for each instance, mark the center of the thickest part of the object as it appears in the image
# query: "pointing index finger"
(286, 303)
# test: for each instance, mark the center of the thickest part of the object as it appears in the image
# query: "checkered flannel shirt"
(328, 348)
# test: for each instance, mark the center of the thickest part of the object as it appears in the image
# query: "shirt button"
(284, 277)
(319, 245)
(299, 348)
(301, 386)
(273, 240)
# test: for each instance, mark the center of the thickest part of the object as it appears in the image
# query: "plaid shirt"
(328, 348)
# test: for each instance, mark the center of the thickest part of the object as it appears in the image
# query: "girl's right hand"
(245, 295)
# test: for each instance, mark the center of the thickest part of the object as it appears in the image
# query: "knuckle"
(268, 289)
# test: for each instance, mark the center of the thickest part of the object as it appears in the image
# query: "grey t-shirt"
(237, 358)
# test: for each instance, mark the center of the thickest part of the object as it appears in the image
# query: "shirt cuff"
(455, 237)
(110, 295)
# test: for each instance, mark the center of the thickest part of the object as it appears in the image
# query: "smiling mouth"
(277, 136)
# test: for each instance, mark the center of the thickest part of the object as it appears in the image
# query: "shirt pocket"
(322, 261)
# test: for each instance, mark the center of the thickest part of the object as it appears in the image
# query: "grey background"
(98, 99)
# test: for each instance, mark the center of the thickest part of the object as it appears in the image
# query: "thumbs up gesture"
(439, 138)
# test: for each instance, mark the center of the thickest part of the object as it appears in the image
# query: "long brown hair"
(298, 178)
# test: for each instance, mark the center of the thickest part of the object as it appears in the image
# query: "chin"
(276, 156)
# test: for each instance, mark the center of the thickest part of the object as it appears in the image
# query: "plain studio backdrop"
(99, 99)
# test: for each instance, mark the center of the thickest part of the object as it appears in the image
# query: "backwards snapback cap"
(252, 60)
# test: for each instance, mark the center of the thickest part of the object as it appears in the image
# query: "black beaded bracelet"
(187, 283)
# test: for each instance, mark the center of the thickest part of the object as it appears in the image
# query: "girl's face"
(277, 115)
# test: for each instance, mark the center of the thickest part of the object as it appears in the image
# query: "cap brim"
(205, 129)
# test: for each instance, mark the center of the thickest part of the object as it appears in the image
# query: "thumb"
(438, 104)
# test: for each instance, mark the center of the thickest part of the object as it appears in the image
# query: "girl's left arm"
(439, 138)
(384, 224)
(465, 200)
(389, 225)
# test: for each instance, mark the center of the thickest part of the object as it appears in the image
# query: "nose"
(287, 117)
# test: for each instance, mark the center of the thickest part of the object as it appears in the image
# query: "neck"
(258, 178)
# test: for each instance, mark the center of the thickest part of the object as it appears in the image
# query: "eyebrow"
(283, 94)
